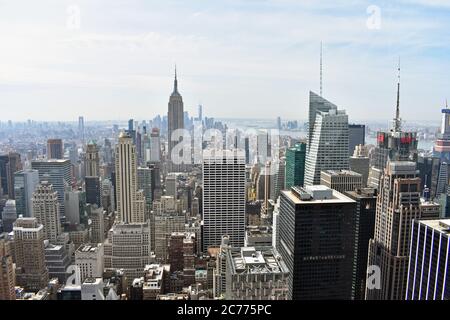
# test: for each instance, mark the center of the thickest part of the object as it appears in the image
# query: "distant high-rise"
(126, 181)
(315, 231)
(295, 165)
(359, 162)
(200, 112)
(46, 210)
(328, 143)
(81, 129)
(9, 215)
(224, 182)
(9, 164)
(263, 147)
(398, 205)
(25, 182)
(428, 269)
(31, 272)
(442, 145)
(93, 190)
(356, 136)
(155, 146)
(175, 116)
(55, 149)
(92, 160)
(58, 173)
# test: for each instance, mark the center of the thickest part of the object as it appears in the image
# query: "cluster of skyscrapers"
(118, 216)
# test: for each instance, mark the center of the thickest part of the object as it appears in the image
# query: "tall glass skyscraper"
(295, 165)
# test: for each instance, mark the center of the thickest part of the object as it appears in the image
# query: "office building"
(58, 173)
(328, 146)
(7, 272)
(74, 207)
(295, 165)
(55, 149)
(175, 118)
(429, 169)
(31, 271)
(128, 247)
(9, 215)
(398, 204)
(255, 273)
(155, 146)
(92, 289)
(428, 276)
(46, 210)
(364, 228)
(315, 230)
(57, 261)
(128, 208)
(89, 258)
(9, 164)
(224, 197)
(97, 227)
(92, 160)
(93, 190)
(356, 137)
(441, 148)
(393, 145)
(25, 182)
(359, 162)
(341, 180)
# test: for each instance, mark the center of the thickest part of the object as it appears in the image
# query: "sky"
(114, 60)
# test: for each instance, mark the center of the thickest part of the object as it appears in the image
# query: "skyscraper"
(398, 204)
(428, 269)
(175, 116)
(92, 160)
(364, 228)
(328, 143)
(356, 136)
(58, 173)
(126, 181)
(316, 104)
(359, 162)
(295, 165)
(224, 182)
(9, 164)
(81, 129)
(9, 215)
(155, 146)
(25, 182)
(55, 149)
(315, 239)
(442, 145)
(46, 210)
(31, 272)
(395, 145)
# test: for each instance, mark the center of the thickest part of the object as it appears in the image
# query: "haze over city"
(248, 59)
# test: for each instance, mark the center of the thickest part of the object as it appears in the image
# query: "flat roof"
(439, 225)
(337, 197)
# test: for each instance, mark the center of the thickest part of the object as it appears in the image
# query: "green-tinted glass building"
(295, 165)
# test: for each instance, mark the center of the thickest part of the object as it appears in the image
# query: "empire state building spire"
(175, 81)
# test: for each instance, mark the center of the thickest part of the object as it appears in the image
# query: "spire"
(397, 120)
(321, 65)
(175, 81)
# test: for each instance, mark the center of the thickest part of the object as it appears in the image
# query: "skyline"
(240, 59)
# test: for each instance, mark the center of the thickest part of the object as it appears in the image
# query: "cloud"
(240, 58)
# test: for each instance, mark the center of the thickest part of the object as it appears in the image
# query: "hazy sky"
(240, 58)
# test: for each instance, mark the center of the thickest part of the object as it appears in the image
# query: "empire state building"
(175, 116)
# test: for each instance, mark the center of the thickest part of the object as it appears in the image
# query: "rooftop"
(256, 260)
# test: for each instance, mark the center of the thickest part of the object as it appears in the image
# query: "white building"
(224, 182)
(92, 289)
(328, 148)
(46, 210)
(89, 258)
